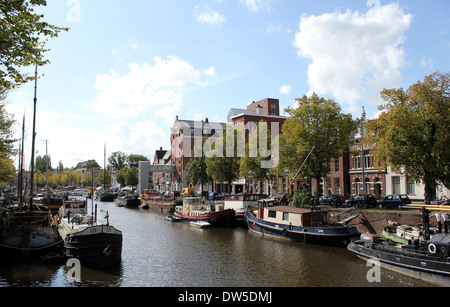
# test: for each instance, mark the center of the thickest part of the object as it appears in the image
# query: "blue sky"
(127, 68)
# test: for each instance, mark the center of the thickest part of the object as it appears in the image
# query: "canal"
(158, 253)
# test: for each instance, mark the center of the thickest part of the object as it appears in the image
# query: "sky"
(126, 69)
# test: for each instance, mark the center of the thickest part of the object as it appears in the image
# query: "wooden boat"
(173, 218)
(193, 209)
(161, 204)
(28, 232)
(427, 260)
(240, 202)
(296, 224)
(94, 243)
(200, 224)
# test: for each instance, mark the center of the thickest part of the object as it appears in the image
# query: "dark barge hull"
(96, 246)
(321, 235)
(410, 262)
(219, 218)
(160, 205)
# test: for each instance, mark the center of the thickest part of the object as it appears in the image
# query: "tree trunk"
(430, 187)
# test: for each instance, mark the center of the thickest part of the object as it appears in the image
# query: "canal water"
(158, 253)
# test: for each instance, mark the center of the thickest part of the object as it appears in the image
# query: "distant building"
(184, 135)
(268, 111)
(161, 180)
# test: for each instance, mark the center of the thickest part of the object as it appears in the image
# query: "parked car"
(360, 201)
(215, 196)
(332, 200)
(394, 201)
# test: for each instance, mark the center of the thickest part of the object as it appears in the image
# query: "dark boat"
(126, 201)
(296, 224)
(427, 258)
(94, 243)
(194, 210)
(28, 232)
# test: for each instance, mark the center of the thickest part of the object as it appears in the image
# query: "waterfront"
(158, 253)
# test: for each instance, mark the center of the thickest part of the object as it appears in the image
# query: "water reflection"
(158, 253)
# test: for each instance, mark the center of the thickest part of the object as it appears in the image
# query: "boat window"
(272, 214)
(285, 216)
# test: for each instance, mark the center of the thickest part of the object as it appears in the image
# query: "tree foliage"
(117, 160)
(220, 167)
(317, 122)
(412, 132)
(23, 36)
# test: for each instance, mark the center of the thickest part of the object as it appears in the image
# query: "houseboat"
(151, 199)
(193, 209)
(240, 202)
(95, 243)
(296, 224)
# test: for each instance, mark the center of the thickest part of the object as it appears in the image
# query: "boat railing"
(408, 251)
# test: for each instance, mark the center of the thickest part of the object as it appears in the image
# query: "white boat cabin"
(75, 207)
(286, 215)
(240, 202)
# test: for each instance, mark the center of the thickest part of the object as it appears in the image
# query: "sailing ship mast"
(20, 180)
(34, 139)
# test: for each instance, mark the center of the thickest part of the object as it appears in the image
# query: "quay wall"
(375, 220)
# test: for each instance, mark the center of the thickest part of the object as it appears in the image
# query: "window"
(356, 161)
(273, 107)
(285, 216)
(396, 185)
(358, 186)
(411, 187)
(367, 163)
(337, 185)
(272, 214)
(367, 186)
(336, 165)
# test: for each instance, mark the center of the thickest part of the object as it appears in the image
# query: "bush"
(302, 199)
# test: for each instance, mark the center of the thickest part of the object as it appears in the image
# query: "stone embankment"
(375, 220)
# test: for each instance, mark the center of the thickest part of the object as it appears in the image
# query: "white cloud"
(208, 16)
(426, 62)
(144, 88)
(285, 89)
(354, 56)
(211, 72)
(257, 5)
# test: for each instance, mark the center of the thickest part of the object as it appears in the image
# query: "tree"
(104, 177)
(7, 170)
(43, 163)
(196, 169)
(89, 164)
(132, 176)
(118, 160)
(251, 164)
(412, 132)
(23, 36)
(135, 158)
(220, 167)
(319, 123)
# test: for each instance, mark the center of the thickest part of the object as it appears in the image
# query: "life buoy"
(432, 248)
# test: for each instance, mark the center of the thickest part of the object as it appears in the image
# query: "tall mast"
(34, 138)
(20, 186)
